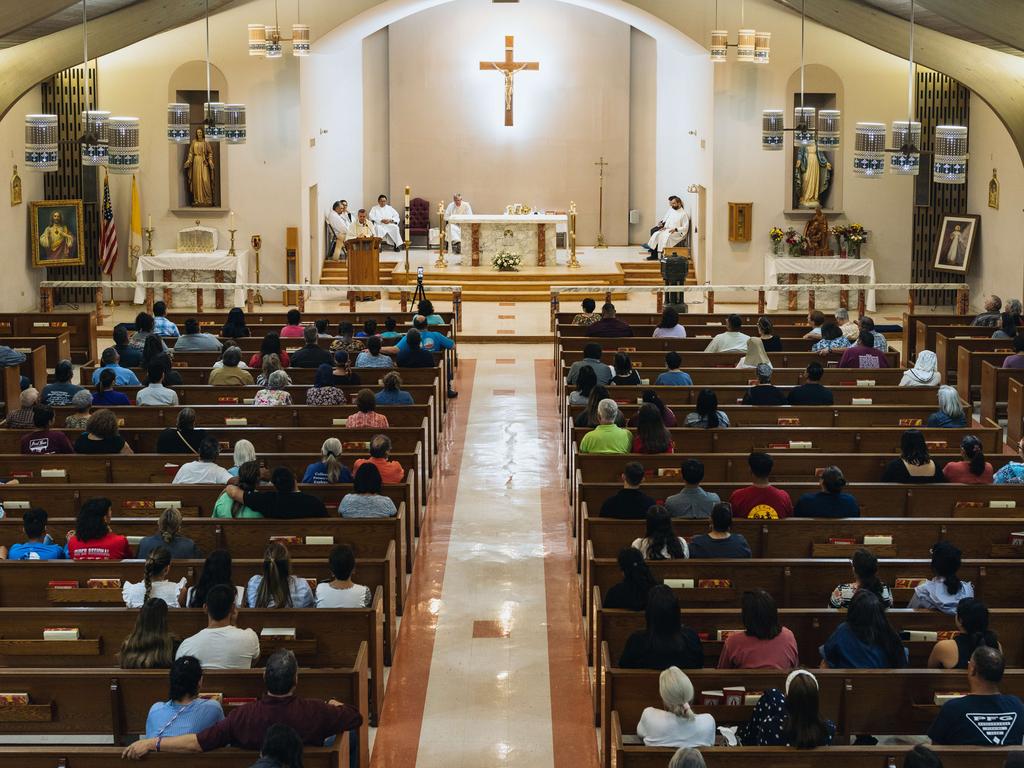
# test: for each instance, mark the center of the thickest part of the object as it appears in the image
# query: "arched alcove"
(188, 85)
(823, 89)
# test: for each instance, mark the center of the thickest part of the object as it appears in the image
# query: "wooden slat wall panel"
(940, 101)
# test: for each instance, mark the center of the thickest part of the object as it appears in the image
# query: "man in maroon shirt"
(609, 326)
(44, 439)
(246, 726)
(761, 500)
(863, 354)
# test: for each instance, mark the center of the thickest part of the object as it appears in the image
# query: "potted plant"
(795, 242)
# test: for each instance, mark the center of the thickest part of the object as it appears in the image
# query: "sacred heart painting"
(57, 227)
(956, 242)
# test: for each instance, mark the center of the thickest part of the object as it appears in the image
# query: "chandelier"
(751, 46)
(266, 40)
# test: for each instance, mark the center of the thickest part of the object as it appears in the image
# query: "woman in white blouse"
(155, 582)
(677, 725)
(341, 592)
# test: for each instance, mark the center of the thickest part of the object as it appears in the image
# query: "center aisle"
(490, 667)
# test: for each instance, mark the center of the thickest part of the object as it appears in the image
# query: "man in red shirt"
(380, 448)
(244, 727)
(863, 354)
(44, 439)
(761, 500)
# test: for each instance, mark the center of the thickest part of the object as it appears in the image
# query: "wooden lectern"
(364, 263)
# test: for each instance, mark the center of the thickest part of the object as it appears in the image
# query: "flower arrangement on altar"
(795, 242)
(506, 261)
(518, 209)
(776, 235)
(849, 239)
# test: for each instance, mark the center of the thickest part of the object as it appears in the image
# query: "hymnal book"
(22, 474)
(339, 422)
(946, 634)
(103, 584)
(679, 583)
(942, 698)
(968, 504)
(911, 422)
(137, 504)
(213, 695)
(622, 402)
(778, 446)
(167, 503)
(934, 445)
(801, 444)
(1002, 504)
(752, 698)
(920, 635)
(236, 421)
(9, 505)
(227, 400)
(1017, 539)
(236, 701)
(861, 401)
(283, 539)
(714, 583)
(171, 470)
(245, 401)
(13, 698)
(712, 698)
(788, 422)
(53, 473)
(840, 540)
(626, 349)
(319, 540)
(877, 541)
(670, 472)
(724, 633)
(909, 582)
(284, 632)
(703, 636)
(61, 633)
(355, 445)
(865, 382)
(63, 584)
(734, 695)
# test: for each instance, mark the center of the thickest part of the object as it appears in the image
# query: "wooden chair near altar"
(419, 221)
(364, 264)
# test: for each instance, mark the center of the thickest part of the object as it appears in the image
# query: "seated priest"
(385, 221)
(671, 230)
(339, 219)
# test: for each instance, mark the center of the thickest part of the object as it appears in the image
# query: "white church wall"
(643, 133)
(376, 120)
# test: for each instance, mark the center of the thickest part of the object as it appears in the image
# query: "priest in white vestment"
(457, 207)
(339, 220)
(361, 227)
(385, 219)
(672, 229)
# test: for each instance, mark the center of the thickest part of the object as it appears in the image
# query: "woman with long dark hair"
(588, 416)
(248, 480)
(706, 414)
(866, 640)
(234, 326)
(668, 416)
(93, 539)
(585, 384)
(944, 591)
(972, 467)
(766, 332)
(661, 542)
(277, 586)
(865, 572)
(105, 393)
(630, 594)
(764, 643)
(216, 570)
(323, 391)
(651, 434)
(915, 464)
(149, 646)
(282, 748)
(271, 345)
(972, 623)
(669, 327)
(183, 712)
(625, 373)
(790, 719)
(665, 642)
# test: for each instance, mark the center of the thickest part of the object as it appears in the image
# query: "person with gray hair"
(245, 727)
(951, 413)
(848, 327)
(244, 451)
(110, 360)
(312, 355)
(275, 392)
(230, 371)
(23, 418)
(607, 436)
(457, 207)
(687, 757)
(82, 403)
(677, 725)
(764, 392)
(990, 317)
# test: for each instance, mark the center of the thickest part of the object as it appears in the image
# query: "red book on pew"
(287, 539)
(227, 400)
(237, 701)
(840, 540)
(712, 698)
(103, 584)
(13, 698)
(63, 584)
(23, 474)
(714, 583)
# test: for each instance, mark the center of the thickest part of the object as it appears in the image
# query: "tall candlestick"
(149, 223)
(407, 191)
(231, 224)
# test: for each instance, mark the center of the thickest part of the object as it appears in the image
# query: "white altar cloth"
(810, 265)
(521, 237)
(178, 261)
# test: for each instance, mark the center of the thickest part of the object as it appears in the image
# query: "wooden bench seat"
(677, 397)
(697, 340)
(57, 345)
(105, 757)
(369, 377)
(80, 326)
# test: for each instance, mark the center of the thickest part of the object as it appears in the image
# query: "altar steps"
(336, 273)
(645, 272)
(487, 285)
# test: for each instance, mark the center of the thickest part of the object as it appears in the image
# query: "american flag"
(108, 232)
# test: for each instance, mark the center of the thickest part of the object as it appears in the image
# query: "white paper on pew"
(862, 401)
(801, 444)
(679, 583)
(248, 400)
(320, 540)
(236, 421)
(17, 504)
(339, 422)
(1002, 504)
(878, 541)
(166, 504)
(53, 473)
(865, 382)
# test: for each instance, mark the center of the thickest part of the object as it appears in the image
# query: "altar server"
(457, 207)
(672, 229)
(339, 219)
(385, 220)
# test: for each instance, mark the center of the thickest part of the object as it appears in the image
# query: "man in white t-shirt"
(206, 470)
(733, 340)
(222, 645)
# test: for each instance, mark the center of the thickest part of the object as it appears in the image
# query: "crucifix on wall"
(508, 68)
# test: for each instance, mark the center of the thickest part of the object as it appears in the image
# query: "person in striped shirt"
(161, 325)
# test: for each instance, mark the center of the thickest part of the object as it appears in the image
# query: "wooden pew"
(57, 346)
(655, 361)
(336, 756)
(915, 329)
(968, 369)
(279, 317)
(696, 318)
(80, 325)
(1014, 412)
(34, 368)
(204, 394)
(947, 351)
(369, 378)
(643, 343)
(680, 396)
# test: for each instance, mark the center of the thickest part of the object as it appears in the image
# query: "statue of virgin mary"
(812, 177)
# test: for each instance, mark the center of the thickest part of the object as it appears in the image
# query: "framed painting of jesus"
(956, 243)
(57, 227)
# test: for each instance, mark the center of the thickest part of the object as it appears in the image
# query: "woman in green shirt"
(248, 480)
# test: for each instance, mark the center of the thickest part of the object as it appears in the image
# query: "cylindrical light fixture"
(829, 129)
(719, 45)
(950, 165)
(869, 150)
(95, 124)
(772, 128)
(906, 139)
(178, 127)
(257, 40)
(213, 112)
(41, 152)
(803, 126)
(762, 47)
(234, 123)
(745, 45)
(300, 40)
(124, 144)
(273, 43)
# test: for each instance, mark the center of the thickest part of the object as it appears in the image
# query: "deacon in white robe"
(339, 220)
(361, 227)
(674, 226)
(457, 207)
(385, 219)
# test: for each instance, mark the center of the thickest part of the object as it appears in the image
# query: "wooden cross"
(508, 68)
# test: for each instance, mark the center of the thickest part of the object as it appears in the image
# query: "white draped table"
(530, 235)
(177, 261)
(831, 268)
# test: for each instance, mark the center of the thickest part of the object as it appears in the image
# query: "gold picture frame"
(15, 187)
(57, 229)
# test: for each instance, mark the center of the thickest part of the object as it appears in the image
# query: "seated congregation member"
(922, 757)
(45, 440)
(370, 326)
(277, 586)
(672, 376)
(790, 719)
(817, 319)
(205, 469)
(183, 437)
(660, 541)
(764, 643)
(92, 538)
(687, 757)
(669, 327)
(607, 436)
(244, 451)
(161, 325)
(38, 545)
(323, 391)
(1016, 360)
(371, 357)
(651, 434)
(193, 340)
(609, 326)
(23, 417)
(625, 373)
(389, 333)
(984, 717)
(668, 416)
(764, 392)
(285, 502)
(431, 341)
(282, 748)
(585, 384)
(706, 414)
(151, 353)
(588, 316)
(915, 464)
(293, 329)
(346, 341)
(155, 582)
(230, 373)
(588, 417)
(216, 570)
(993, 305)
(81, 401)
(130, 357)
(412, 354)
(832, 341)
(973, 632)
(145, 325)
(951, 412)
(61, 390)
(731, 340)
(849, 327)
(391, 392)
(629, 503)
(865, 574)
(105, 394)
(271, 363)
(110, 361)
(665, 642)
(312, 355)
(924, 373)
(866, 640)
(1012, 472)
(755, 356)
(812, 392)
(276, 391)
(630, 594)
(720, 541)
(221, 644)
(155, 393)
(831, 500)
(692, 501)
(761, 500)
(366, 416)
(380, 456)
(864, 354)
(271, 345)
(341, 591)
(591, 358)
(169, 536)
(235, 326)
(867, 324)
(677, 725)
(972, 467)
(183, 712)
(329, 469)
(366, 499)
(944, 591)
(149, 645)
(342, 374)
(766, 333)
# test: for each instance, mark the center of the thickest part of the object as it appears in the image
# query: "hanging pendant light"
(224, 122)
(829, 124)
(124, 155)
(803, 125)
(94, 136)
(234, 123)
(745, 44)
(719, 45)
(257, 40)
(178, 127)
(41, 152)
(906, 139)
(300, 40)
(950, 165)
(869, 150)
(762, 47)
(213, 120)
(772, 128)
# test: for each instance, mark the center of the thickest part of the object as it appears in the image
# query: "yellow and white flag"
(135, 230)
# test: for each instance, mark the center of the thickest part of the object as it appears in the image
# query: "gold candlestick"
(408, 237)
(600, 204)
(440, 263)
(231, 248)
(573, 263)
(149, 241)
(256, 242)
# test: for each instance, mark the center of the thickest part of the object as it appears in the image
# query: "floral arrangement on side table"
(506, 261)
(796, 242)
(776, 235)
(849, 239)
(518, 209)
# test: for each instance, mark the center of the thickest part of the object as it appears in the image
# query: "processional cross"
(508, 68)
